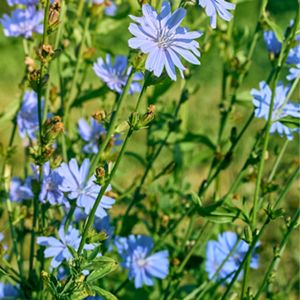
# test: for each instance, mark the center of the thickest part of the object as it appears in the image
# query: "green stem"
(91, 216)
(77, 67)
(278, 159)
(278, 253)
(113, 122)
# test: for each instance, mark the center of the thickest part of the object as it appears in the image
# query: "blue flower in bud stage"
(57, 248)
(50, 187)
(8, 291)
(78, 186)
(294, 73)
(273, 45)
(217, 252)
(27, 119)
(142, 266)
(116, 75)
(262, 101)
(22, 2)
(217, 7)
(23, 22)
(20, 191)
(92, 133)
(160, 36)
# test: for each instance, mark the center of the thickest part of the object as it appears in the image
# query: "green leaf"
(290, 122)
(190, 137)
(219, 212)
(100, 267)
(105, 294)
(277, 30)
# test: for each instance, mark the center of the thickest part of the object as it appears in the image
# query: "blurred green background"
(200, 115)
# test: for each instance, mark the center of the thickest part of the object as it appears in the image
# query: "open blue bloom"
(217, 7)
(293, 73)
(92, 133)
(116, 75)
(142, 266)
(50, 186)
(160, 36)
(23, 22)
(22, 2)
(294, 54)
(57, 248)
(76, 184)
(217, 252)
(262, 101)
(20, 190)
(273, 45)
(27, 119)
(8, 291)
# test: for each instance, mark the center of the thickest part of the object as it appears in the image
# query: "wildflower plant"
(121, 179)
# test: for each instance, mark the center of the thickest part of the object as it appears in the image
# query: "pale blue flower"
(22, 2)
(217, 252)
(293, 73)
(273, 45)
(77, 186)
(161, 37)
(116, 75)
(217, 7)
(141, 264)
(27, 118)
(58, 248)
(23, 22)
(92, 134)
(8, 291)
(262, 101)
(20, 190)
(50, 186)
(294, 54)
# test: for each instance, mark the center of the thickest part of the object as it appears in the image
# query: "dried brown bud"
(54, 12)
(89, 53)
(99, 115)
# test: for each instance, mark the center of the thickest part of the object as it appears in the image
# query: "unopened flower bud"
(45, 276)
(99, 115)
(148, 117)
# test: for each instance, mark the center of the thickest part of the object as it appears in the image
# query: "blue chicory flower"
(217, 7)
(20, 190)
(273, 45)
(27, 119)
(22, 2)
(23, 22)
(78, 186)
(293, 73)
(8, 291)
(50, 186)
(142, 266)
(262, 101)
(57, 248)
(92, 134)
(116, 75)
(217, 252)
(161, 37)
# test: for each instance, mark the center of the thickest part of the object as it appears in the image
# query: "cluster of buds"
(54, 12)
(45, 53)
(50, 131)
(138, 121)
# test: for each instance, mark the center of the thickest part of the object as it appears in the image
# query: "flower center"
(141, 262)
(164, 38)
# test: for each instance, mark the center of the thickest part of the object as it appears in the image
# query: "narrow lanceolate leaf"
(290, 122)
(105, 294)
(101, 267)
